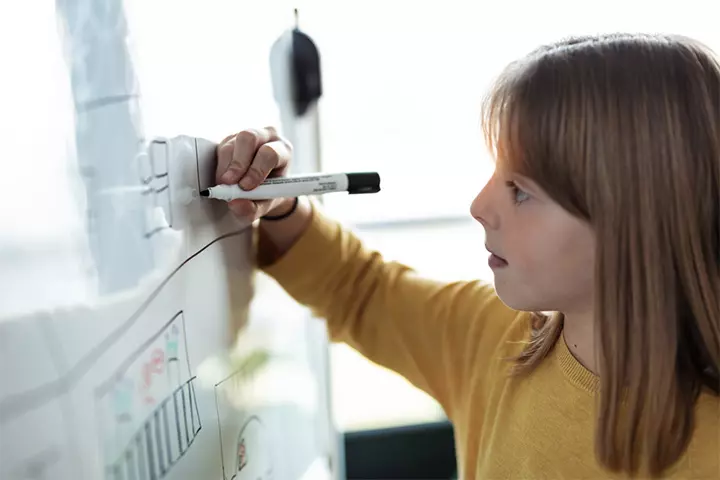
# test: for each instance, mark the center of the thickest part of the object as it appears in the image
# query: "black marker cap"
(363, 182)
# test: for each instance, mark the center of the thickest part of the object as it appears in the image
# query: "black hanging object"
(307, 86)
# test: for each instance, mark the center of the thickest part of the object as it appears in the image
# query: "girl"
(604, 209)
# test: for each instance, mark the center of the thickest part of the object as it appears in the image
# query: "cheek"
(551, 260)
(567, 257)
(555, 254)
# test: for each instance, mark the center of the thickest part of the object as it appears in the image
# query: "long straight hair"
(623, 131)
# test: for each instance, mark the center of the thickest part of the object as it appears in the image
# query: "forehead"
(515, 170)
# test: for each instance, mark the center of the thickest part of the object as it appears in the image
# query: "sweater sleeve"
(430, 332)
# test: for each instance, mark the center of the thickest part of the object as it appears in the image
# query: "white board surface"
(183, 361)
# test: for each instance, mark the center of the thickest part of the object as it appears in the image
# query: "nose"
(482, 207)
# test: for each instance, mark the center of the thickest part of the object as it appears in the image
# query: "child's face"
(548, 254)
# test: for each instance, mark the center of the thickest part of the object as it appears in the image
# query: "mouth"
(496, 261)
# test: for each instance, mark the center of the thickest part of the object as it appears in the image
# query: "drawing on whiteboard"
(155, 176)
(14, 405)
(172, 358)
(245, 450)
(149, 416)
(122, 400)
(248, 434)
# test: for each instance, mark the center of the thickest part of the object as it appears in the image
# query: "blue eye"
(519, 196)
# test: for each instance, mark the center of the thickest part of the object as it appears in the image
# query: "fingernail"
(246, 183)
(230, 176)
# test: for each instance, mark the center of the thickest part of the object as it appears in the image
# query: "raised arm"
(430, 332)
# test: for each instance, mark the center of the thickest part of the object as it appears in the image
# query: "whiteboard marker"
(314, 184)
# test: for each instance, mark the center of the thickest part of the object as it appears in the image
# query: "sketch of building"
(245, 449)
(150, 415)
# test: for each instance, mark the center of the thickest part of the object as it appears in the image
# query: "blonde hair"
(623, 131)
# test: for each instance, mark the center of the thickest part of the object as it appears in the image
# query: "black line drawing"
(256, 452)
(168, 418)
(17, 404)
(162, 440)
(156, 179)
(14, 406)
(242, 455)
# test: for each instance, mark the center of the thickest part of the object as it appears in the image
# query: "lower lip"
(496, 262)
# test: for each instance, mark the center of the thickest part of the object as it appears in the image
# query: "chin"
(514, 299)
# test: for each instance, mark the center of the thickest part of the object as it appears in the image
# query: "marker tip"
(205, 193)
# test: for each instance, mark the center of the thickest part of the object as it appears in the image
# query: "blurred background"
(403, 82)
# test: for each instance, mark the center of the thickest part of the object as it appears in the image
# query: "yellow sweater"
(450, 340)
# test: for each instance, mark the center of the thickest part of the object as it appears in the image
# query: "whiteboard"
(185, 362)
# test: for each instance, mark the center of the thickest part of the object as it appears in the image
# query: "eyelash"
(515, 191)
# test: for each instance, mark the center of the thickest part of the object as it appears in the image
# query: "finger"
(246, 145)
(224, 153)
(249, 210)
(228, 138)
(285, 151)
(270, 156)
(243, 209)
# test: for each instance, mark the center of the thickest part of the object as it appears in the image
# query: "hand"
(248, 158)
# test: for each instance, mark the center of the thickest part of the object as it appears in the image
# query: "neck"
(579, 335)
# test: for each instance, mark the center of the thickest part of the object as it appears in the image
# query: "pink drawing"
(155, 366)
(242, 455)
